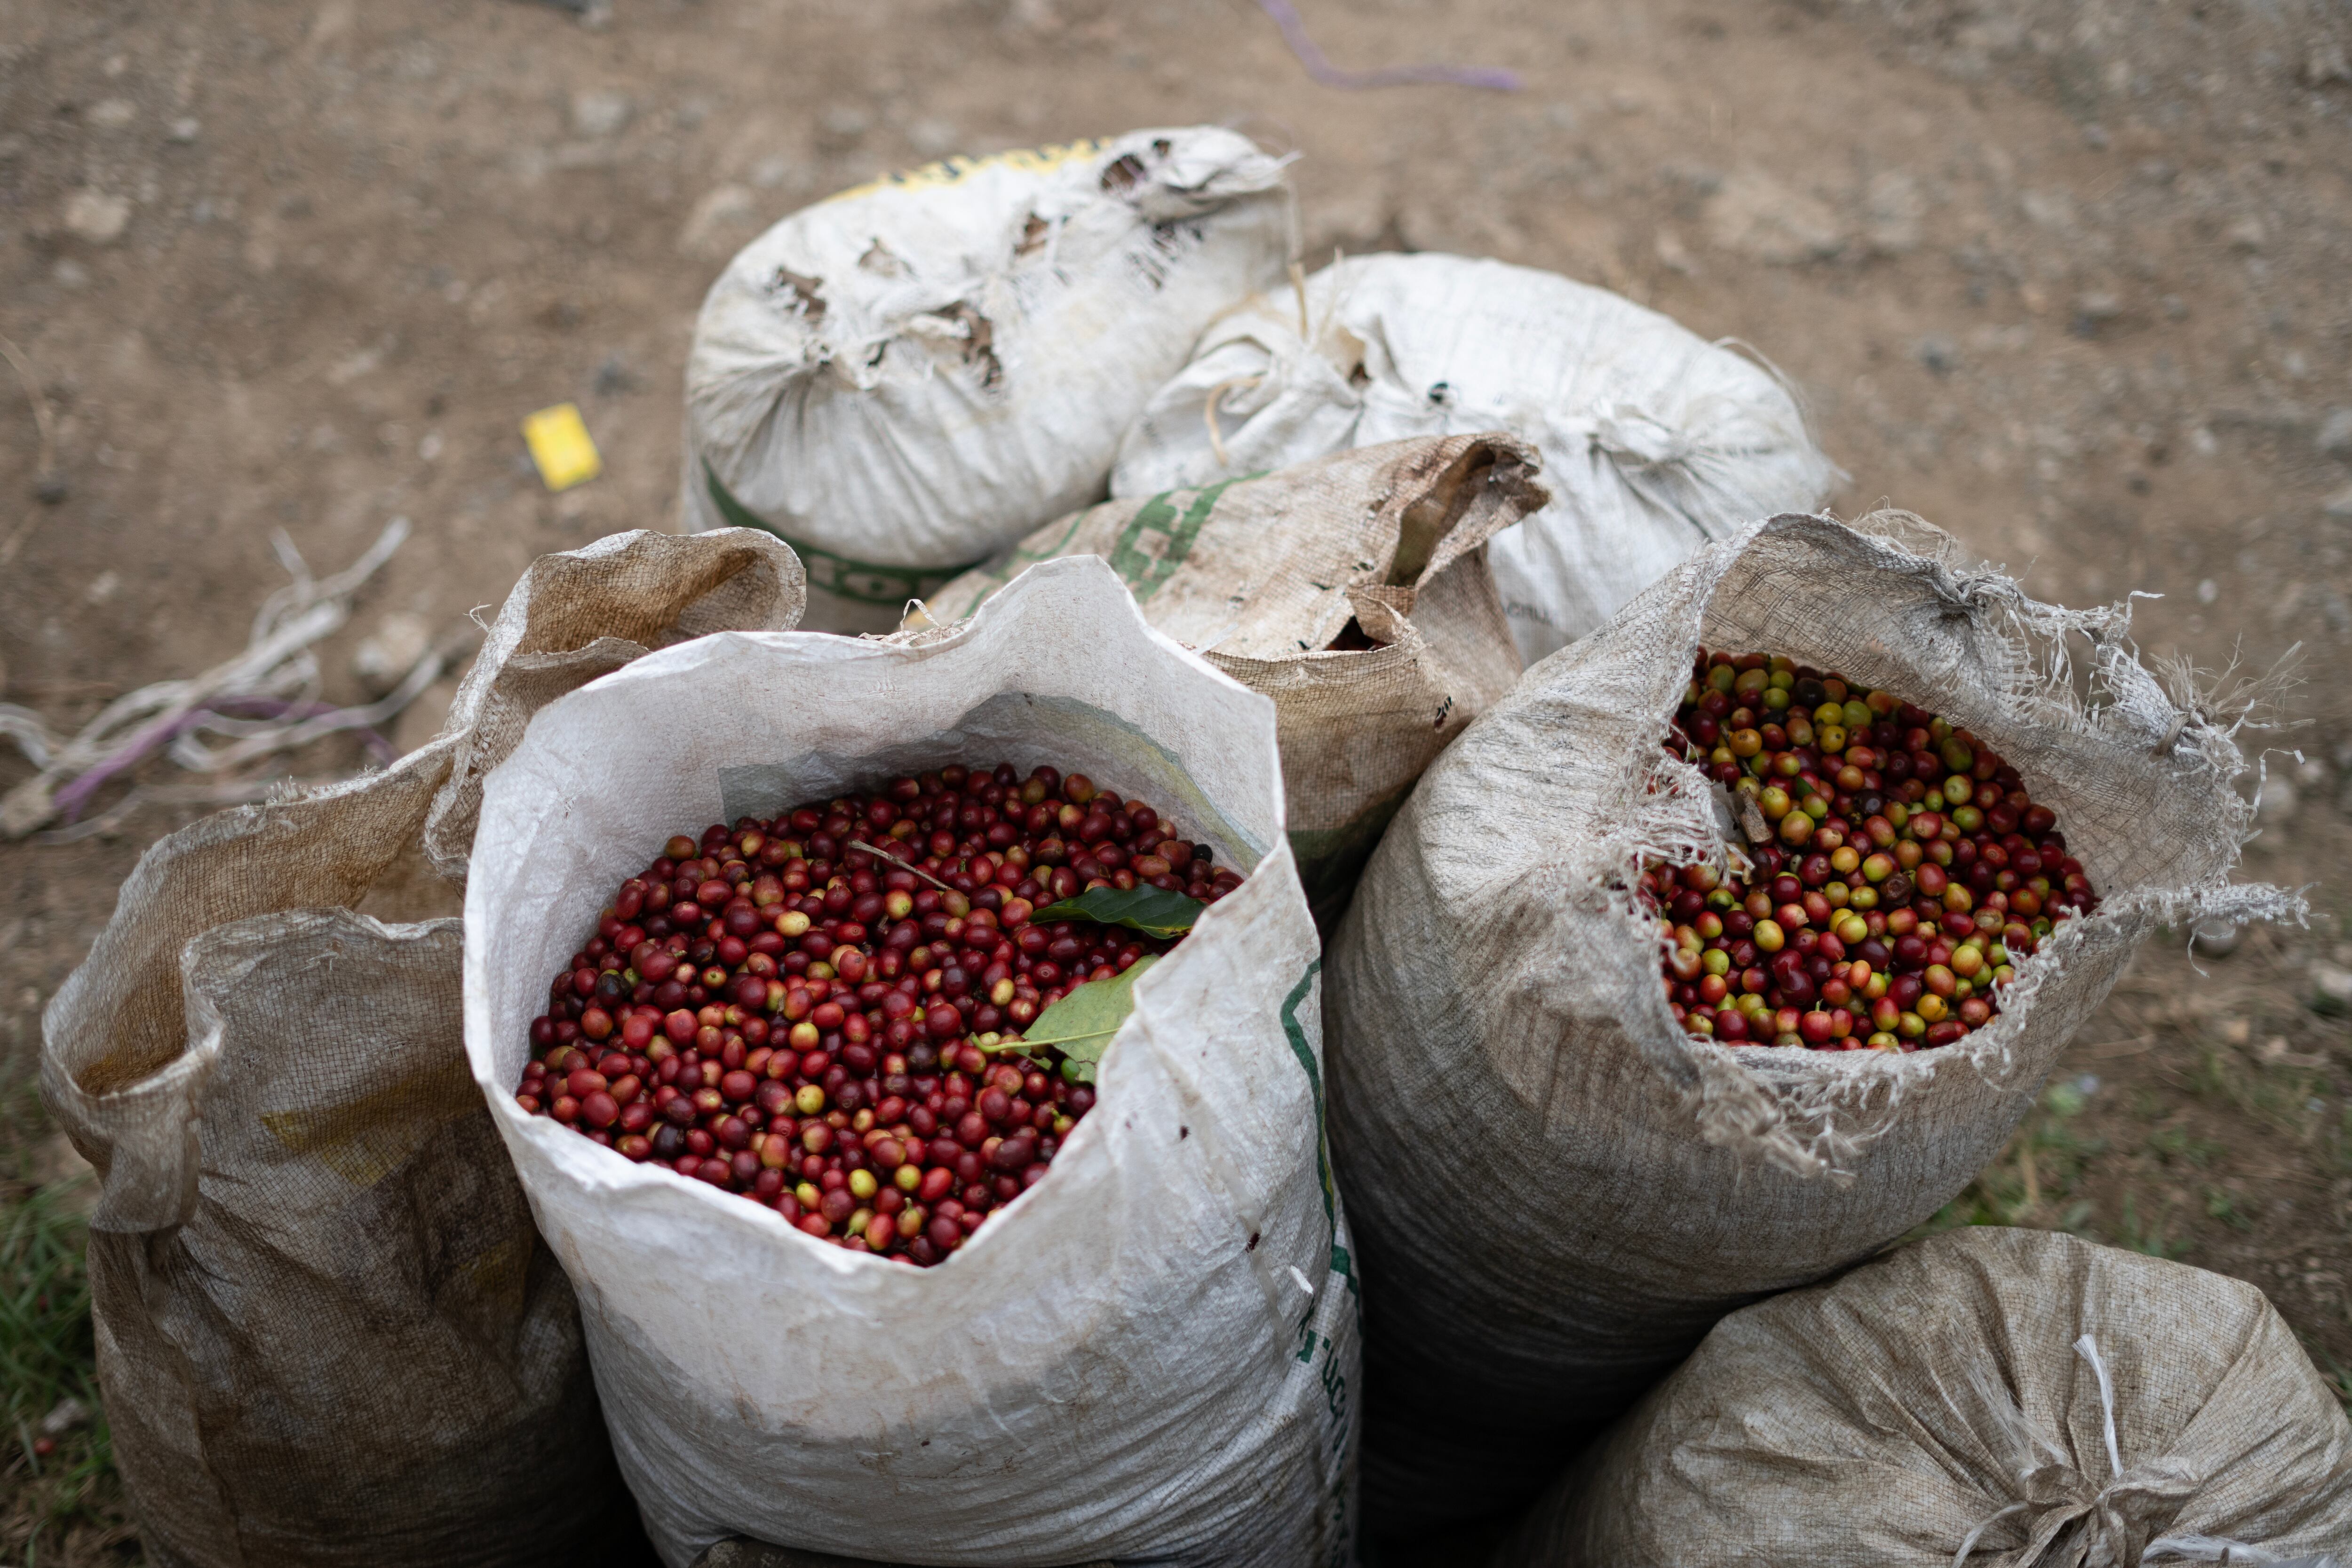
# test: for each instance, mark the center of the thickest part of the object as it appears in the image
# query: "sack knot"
(2066, 1521)
(1966, 595)
(1627, 432)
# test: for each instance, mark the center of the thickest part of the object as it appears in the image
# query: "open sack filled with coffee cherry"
(850, 1012)
(1895, 875)
(1726, 948)
(911, 1049)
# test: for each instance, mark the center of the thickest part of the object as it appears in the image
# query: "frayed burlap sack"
(585, 613)
(327, 1331)
(904, 379)
(1556, 1191)
(1354, 591)
(1988, 1398)
(1654, 441)
(1151, 1354)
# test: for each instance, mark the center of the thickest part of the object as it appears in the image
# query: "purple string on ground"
(1293, 33)
(74, 796)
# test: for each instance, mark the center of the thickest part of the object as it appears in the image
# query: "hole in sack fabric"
(881, 260)
(1434, 514)
(979, 342)
(806, 300)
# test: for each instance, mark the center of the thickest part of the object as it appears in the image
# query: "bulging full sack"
(327, 1331)
(1353, 590)
(1654, 441)
(904, 379)
(1151, 1353)
(1556, 1190)
(1987, 1397)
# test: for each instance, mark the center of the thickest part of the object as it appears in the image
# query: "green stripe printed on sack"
(836, 574)
(1151, 544)
(1156, 540)
(1341, 1263)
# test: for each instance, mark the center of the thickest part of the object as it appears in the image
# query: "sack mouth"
(1371, 534)
(618, 1181)
(2060, 693)
(646, 728)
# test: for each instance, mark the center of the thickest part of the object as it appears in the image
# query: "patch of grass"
(2033, 1182)
(2038, 1178)
(54, 1506)
(2222, 1206)
(2147, 1237)
(2212, 1076)
(2178, 1143)
(2282, 1099)
(2339, 1380)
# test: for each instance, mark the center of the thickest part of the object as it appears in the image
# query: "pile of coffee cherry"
(1898, 869)
(822, 1012)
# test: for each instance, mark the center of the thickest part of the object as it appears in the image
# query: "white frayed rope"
(2105, 1514)
(2212, 1549)
(264, 699)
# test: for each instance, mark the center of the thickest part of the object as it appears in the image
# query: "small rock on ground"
(1753, 215)
(96, 216)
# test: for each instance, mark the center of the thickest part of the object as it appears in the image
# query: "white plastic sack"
(1654, 441)
(1153, 1355)
(907, 377)
(1988, 1397)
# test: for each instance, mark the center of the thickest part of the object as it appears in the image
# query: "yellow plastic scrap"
(561, 446)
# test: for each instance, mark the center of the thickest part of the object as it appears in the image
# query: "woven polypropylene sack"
(1150, 1354)
(1990, 1397)
(907, 377)
(327, 1331)
(1382, 551)
(1654, 441)
(1556, 1190)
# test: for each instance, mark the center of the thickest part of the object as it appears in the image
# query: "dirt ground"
(2066, 279)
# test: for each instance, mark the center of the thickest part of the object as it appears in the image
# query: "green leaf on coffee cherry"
(1080, 1025)
(1154, 911)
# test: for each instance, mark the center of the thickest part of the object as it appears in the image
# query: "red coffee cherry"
(1901, 875)
(794, 1009)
